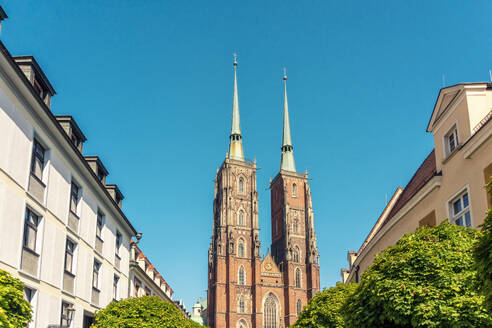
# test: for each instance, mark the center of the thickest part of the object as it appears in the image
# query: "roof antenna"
(443, 80)
(490, 75)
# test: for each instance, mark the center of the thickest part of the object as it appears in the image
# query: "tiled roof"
(424, 173)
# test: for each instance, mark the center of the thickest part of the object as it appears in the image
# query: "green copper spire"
(287, 162)
(235, 139)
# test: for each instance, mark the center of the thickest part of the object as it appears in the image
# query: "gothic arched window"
(296, 254)
(296, 225)
(241, 276)
(298, 278)
(240, 218)
(270, 312)
(294, 190)
(299, 307)
(242, 324)
(240, 248)
(241, 305)
(240, 186)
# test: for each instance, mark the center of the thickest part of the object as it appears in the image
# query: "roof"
(99, 163)
(75, 126)
(30, 60)
(424, 173)
(141, 255)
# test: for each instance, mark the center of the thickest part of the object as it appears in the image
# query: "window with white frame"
(99, 224)
(69, 255)
(31, 224)
(451, 140)
(459, 209)
(37, 162)
(95, 274)
(74, 198)
(117, 243)
(29, 295)
(116, 280)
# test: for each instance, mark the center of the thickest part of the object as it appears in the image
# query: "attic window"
(451, 140)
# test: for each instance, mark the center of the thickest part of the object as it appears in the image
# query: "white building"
(62, 229)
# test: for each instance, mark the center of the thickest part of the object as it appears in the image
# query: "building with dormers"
(449, 184)
(244, 289)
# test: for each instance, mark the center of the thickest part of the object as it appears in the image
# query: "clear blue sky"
(150, 84)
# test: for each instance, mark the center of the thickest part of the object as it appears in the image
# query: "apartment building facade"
(62, 229)
(449, 184)
(145, 279)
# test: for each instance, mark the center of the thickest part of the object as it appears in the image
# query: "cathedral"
(244, 289)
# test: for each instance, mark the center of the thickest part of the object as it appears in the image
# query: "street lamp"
(70, 312)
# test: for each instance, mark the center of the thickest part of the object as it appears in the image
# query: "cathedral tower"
(234, 253)
(293, 238)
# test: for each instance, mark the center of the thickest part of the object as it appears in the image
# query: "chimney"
(98, 168)
(72, 130)
(115, 192)
(3, 15)
(36, 77)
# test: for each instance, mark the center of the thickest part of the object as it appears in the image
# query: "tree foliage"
(15, 311)
(323, 310)
(142, 312)
(428, 279)
(483, 257)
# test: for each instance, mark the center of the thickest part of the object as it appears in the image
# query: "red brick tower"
(234, 253)
(293, 238)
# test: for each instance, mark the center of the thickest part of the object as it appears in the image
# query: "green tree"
(323, 310)
(15, 311)
(142, 312)
(483, 257)
(428, 279)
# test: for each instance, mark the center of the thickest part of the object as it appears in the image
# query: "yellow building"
(449, 184)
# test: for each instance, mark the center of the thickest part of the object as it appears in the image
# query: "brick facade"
(240, 283)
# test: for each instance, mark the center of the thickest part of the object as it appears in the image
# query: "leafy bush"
(323, 310)
(428, 279)
(483, 257)
(15, 311)
(142, 312)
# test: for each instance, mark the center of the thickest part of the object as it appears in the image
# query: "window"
(294, 190)
(241, 305)
(64, 314)
(138, 286)
(296, 225)
(69, 251)
(270, 312)
(460, 210)
(29, 296)
(37, 164)
(451, 140)
(116, 279)
(30, 230)
(240, 187)
(298, 278)
(74, 198)
(95, 274)
(240, 248)
(241, 278)
(299, 307)
(118, 243)
(241, 218)
(296, 254)
(147, 291)
(99, 225)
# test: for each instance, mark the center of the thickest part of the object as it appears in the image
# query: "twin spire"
(235, 139)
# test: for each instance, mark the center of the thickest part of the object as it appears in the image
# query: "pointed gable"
(269, 268)
(447, 98)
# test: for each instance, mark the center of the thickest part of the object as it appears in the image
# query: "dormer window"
(72, 130)
(451, 140)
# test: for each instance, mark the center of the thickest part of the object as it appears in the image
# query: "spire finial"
(235, 59)
(287, 160)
